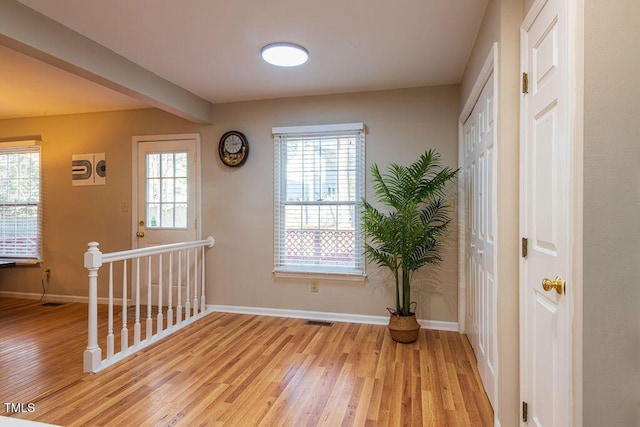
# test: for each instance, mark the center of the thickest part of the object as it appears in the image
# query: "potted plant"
(408, 233)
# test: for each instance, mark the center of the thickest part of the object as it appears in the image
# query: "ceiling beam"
(27, 31)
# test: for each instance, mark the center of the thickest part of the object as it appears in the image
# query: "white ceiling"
(31, 88)
(211, 48)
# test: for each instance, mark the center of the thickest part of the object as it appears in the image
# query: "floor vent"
(51, 304)
(318, 323)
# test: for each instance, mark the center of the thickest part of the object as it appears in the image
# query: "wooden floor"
(238, 370)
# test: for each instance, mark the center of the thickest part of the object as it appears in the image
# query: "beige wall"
(237, 203)
(488, 34)
(501, 23)
(611, 352)
(74, 216)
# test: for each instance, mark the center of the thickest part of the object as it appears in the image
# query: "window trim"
(7, 145)
(308, 271)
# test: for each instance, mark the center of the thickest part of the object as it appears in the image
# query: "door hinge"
(525, 247)
(525, 83)
(195, 223)
(525, 412)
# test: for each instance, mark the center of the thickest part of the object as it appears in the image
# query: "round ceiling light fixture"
(284, 54)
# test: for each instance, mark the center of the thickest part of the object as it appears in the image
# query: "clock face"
(232, 144)
(233, 148)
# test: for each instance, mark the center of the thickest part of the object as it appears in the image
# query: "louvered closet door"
(479, 178)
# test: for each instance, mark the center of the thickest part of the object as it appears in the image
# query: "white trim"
(345, 277)
(24, 262)
(58, 298)
(490, 64)
(327, 316)
(21, 143)
(576, 112)
(343, 127)
(438, 325)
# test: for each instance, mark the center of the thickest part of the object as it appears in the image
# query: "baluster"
(160, 326)
(124, 334)
(202, 298)
(195, 281)
(149, 306)
(110, 314)
(136, 327)
(92, 357)
(170, 305)
(179, 307)
(187, 285)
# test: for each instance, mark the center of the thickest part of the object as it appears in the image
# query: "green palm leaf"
(409, 235)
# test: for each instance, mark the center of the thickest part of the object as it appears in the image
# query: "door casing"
(135, 182)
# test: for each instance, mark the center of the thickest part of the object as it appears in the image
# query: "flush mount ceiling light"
(284, 54)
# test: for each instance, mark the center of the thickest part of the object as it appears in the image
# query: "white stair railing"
(180, 266)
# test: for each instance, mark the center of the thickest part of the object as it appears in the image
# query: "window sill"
(346, 277)
(22, 262)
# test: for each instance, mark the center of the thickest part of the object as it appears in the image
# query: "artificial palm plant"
(408, 233)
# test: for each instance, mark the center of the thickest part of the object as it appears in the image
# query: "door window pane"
(167, 190)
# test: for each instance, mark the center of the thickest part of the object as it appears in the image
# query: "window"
(167, 190)
(319, 183)
(20, 201)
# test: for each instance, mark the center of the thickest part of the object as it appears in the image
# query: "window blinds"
(319, 183)
(20, 200)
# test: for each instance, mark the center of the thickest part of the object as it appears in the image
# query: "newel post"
(93, 354)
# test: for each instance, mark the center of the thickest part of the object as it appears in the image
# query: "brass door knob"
(140, 234)
(558, 284)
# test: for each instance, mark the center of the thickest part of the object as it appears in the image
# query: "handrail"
(155, 250)
(94, 259)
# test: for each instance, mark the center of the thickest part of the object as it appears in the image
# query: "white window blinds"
(20, 200)
(319, 183)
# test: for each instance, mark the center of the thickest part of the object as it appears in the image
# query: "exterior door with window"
(168, 192)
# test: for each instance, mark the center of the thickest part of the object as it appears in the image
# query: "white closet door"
(480, 187)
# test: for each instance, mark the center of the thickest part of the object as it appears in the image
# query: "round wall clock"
(233, 148)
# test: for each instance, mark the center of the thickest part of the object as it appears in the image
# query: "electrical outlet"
(314, 286)
(47, 273)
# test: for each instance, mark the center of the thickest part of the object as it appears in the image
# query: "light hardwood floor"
(239, 370)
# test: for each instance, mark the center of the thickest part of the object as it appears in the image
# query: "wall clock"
(233, 148)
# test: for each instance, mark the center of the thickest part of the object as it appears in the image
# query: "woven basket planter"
(404, 329)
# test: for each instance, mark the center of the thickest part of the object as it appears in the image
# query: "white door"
(168, 191)
(479, 178)
(545, 209)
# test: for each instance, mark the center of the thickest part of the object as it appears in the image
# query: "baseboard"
(327, 316)
(56, 298)
(439, 325)
(259, 311)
